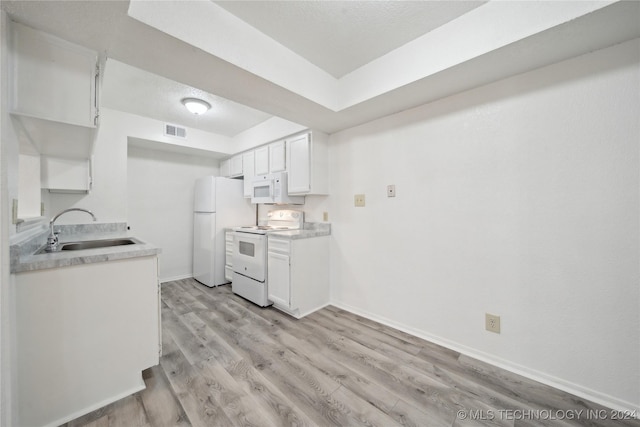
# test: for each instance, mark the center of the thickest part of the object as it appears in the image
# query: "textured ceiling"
(136, 91)
(341, 36)
(209, 50)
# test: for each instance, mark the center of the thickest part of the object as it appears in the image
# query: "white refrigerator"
(219, 204)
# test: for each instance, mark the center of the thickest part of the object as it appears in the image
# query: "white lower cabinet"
(298, 274)
(228, 258)
(84, 334)
(279, 279)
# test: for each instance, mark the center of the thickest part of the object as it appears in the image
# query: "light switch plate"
(358, 200)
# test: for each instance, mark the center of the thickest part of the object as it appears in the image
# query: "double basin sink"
(88, 244)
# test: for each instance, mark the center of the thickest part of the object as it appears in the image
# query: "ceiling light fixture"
(196, 106)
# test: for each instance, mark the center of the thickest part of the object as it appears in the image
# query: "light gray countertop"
(23, 258)
(310, 230)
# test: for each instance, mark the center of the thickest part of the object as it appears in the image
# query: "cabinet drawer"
(279, 245)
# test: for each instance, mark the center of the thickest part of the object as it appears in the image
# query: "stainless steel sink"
(90, 244)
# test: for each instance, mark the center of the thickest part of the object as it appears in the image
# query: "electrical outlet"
(492, 323)
(358, 200)
(325, 216)
(391, 191)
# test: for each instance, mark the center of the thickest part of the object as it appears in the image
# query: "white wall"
(268, 131)
(108, 199)
(313, 208)
(521, 199)
(9, 149)
(10, 144)
(29, 178)
(160, 202)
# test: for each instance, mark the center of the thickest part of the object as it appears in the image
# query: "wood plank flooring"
(227, 362)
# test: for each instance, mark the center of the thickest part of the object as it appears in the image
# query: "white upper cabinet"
(304, 157)
(54, 92)
(235, 166)
(277, 155)
(299, 164)
(262, 160)
(271, 158)
(66, 175)
(225, 168)
(307, 164)
(248, 166)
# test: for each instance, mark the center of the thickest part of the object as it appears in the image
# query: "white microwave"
(273, 189)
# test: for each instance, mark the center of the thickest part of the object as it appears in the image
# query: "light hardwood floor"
(227, 362)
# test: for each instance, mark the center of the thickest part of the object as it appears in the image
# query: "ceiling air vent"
(174, 130)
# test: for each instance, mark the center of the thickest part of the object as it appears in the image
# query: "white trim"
(541, 377)
(98, 405)
(171, 279)
(313, 310)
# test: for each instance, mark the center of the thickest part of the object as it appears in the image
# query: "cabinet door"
(277, 157)
(228, 256)
(248, 160)
(236, 165)
(228, 249)
(53, 79)
(262, 161)
(66, 175)
(278, 279)
(225, 168)
(299, 164)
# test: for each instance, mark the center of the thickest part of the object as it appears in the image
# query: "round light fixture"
(196, 106)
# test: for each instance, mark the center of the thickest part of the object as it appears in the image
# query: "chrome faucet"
(52, 239)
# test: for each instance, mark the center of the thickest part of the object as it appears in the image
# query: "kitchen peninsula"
(87, 322)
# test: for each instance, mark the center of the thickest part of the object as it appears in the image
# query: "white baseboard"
(171, 279)
(541, 377)
(98, 405)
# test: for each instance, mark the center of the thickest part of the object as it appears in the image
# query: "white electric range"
(250, 254)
